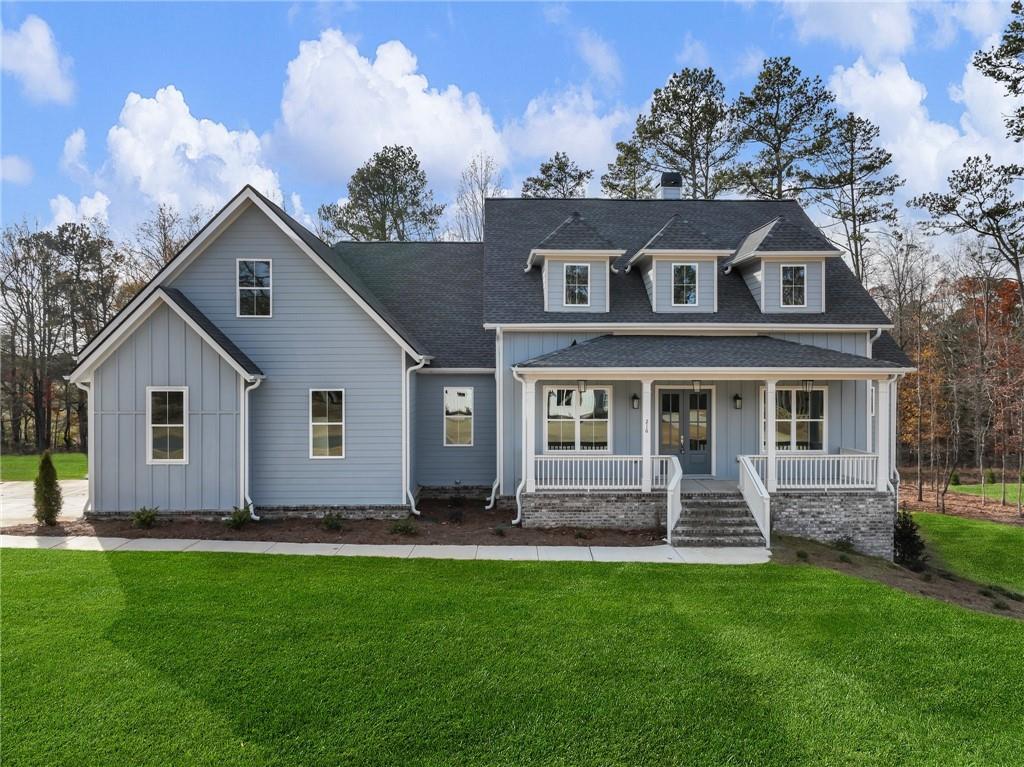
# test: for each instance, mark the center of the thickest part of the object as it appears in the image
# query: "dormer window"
(577, 284)
(253, 292)
(684, 284)
(794, 286)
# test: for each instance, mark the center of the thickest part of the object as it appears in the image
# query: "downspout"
(87, 388)
(871, 341)
(498, 402)
(245, 447)
(522, 480)
(408, 432)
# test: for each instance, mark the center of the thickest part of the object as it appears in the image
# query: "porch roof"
(739, 352)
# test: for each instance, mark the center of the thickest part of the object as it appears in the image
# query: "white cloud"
(160, 150)
(15, 170)
(556, 13)
(31, 55)
(693, 53)
(600, 57)
(925, 150)
(750, 62)
(65, 211)
(339, 107)
(72, 157)
(875, 29)
(980, 18)
(299, 213)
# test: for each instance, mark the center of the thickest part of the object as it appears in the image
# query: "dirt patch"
(959, 504)
(441, 521)
(934, 581)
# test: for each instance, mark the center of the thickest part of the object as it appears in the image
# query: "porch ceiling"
(746, 353)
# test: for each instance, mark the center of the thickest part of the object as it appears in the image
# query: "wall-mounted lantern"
(737, 401)
(636, 401)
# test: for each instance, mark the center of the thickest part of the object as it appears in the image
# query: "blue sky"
(108, 109)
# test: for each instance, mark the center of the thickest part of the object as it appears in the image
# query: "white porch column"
(883, 414)
(770, 431)
(529, 433)
(646, 469)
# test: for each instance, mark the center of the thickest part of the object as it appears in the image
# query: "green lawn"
(222, 659)
(988, 552)
(992, 492)
(25, 467)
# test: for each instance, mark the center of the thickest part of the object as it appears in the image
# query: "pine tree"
(48, 499)
(629, 177)
(558, 178)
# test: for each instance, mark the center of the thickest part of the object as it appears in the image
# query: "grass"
(987, 552)
(223, 659)
(992, 492)
(23, 468)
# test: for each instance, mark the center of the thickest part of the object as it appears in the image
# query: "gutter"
(87, 388)
(408, 431)
(498, 402)
(246, 498)
(871, 341)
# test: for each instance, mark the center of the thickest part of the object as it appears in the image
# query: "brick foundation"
(623, 511)
(276, 512)
(866, 518)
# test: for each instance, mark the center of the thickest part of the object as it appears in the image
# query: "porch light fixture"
(582, 386)
(808, 384)
(696, 384)
(737, 401)
(635, 401)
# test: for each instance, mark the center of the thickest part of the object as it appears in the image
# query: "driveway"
(16, 501)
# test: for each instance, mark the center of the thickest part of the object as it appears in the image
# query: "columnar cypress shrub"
(48, 499)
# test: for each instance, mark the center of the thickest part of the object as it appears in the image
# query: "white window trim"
(565, 285)
(149, 426)
(239, 289)
(577, 420)
(655, 417)
(696, 282)
(344, 428)
(792, 435)
(782, 292)
(445, 417)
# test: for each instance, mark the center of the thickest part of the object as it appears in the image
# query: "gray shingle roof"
(758, 352)
(435, 287)
(514, 226)
(575, 233)
(678, 234)
(178, 298)
(885, 348)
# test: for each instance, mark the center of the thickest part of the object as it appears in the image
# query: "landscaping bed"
(961, 504)
(446, 521)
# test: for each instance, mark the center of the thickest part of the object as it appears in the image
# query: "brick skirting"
(865, 518)
(623, 511)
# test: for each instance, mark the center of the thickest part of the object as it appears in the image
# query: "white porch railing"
(673, 503)
(588, 472)
(799, 471)
(756, 496)
(661, 470)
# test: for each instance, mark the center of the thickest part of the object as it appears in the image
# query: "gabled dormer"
(576, 267)
(784, 275)
(679, 270)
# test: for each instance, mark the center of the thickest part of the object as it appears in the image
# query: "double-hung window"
(327, 423)
(684, 284)
(254, 277)
(794, 285)
(167, 424)
(458, 416)
(577, 284)
(577, 420)
(799, 419)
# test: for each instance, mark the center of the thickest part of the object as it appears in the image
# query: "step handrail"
(756, 496)
(673, 503)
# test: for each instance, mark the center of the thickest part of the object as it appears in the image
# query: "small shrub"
(145, 517)
(802, 555)
(990, 477)
(999, 604)
(239, 517)
(499, 531)
(846, 559)
(954, 478)
(47, 498)
(333, 522)
(844, 543)
(908, 546)
(404, 527)
(455, 516)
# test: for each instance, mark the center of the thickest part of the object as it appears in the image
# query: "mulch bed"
(440, 521)
(959, 504)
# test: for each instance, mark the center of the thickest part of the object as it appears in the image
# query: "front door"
(685, 428)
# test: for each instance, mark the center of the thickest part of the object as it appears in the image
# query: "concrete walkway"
(16, 507)
(664, 554)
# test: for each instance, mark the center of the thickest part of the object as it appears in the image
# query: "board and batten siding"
(752, 276)
(705, 285)
(772, 275)
(556, 285)
(317, 338)
(164, 351)
(438, 465)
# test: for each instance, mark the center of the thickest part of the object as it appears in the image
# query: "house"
(595, 362)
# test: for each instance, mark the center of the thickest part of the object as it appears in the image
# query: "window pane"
(561, 435)
(175, 407)
(594, 435)
(782, 434)
(160, 443)
(158, 407)
(458, 430)
(328, 440)
(246, 302)
(684, 284)
(784, 402)
(175, 442)
(816, 435)
(318, 403)
(260, 301)
(261, 274)
(577, 295)
(335, 406)
(560, 403)
(594, 404)
(246, 276)
(458, 402)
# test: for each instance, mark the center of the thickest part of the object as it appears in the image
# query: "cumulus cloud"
(30, 54)
(600, 57)
(298, 211)
(980, 18)
(66, 211)
(750, 62)
(874, 29)
(72, 158)
(15, 170)
(339, 107)
(693, 53)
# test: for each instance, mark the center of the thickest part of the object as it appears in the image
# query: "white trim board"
(445, 416)
(656, 418)
(344, 429)
(683, 327)
(150, 460)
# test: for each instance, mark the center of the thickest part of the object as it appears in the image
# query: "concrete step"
(719, 532)
(718, 540)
